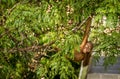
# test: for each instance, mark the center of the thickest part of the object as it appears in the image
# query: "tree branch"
(31, 48)
(80, 25)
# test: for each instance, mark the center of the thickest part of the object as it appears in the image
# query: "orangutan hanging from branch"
(86, 46)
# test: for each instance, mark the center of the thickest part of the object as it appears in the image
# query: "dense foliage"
(37, 36)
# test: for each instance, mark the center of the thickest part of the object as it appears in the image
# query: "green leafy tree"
(37, 36)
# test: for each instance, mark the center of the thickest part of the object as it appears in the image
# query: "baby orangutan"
(78, 56)
(88, 47)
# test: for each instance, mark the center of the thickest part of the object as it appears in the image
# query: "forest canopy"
(36, 36)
